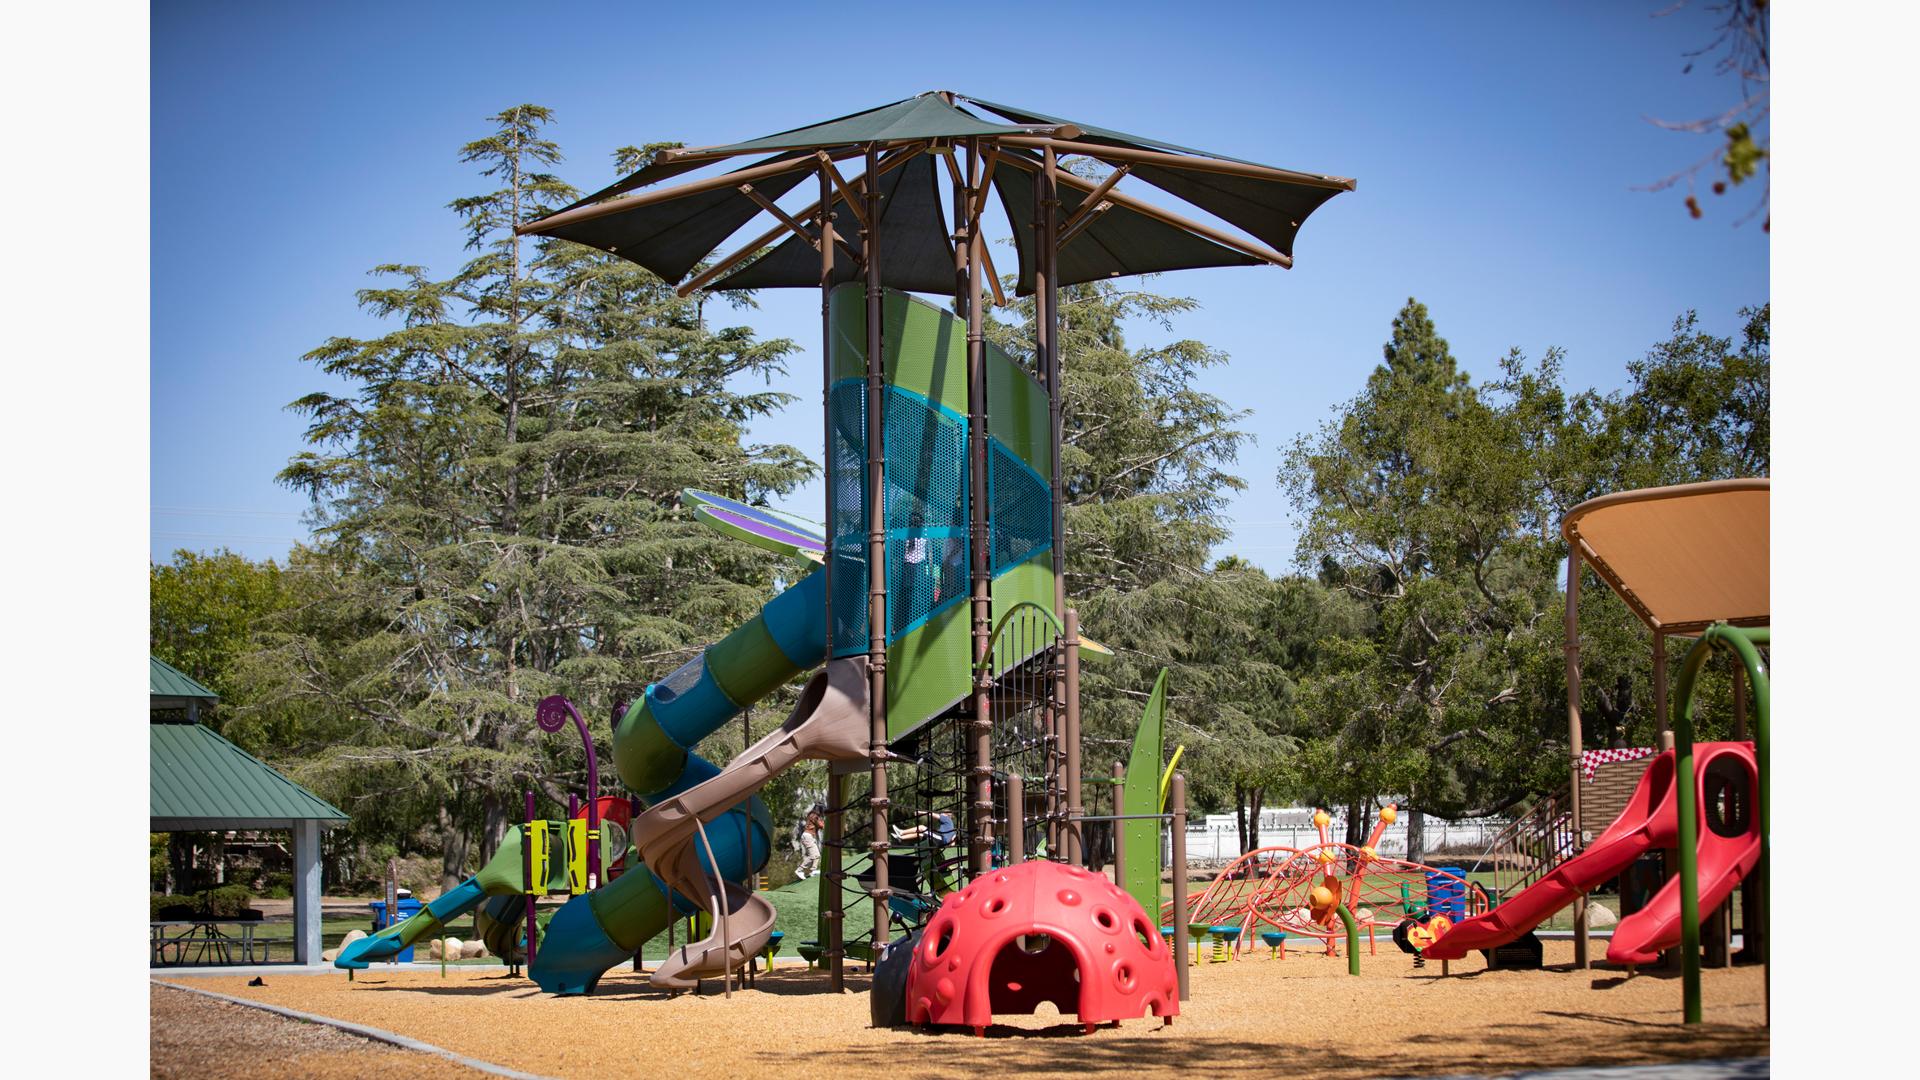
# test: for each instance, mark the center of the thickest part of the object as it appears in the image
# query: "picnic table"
(205, 937)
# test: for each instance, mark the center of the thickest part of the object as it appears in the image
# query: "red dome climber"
(1019, 935)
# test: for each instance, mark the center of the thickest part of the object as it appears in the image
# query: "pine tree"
(499, 497)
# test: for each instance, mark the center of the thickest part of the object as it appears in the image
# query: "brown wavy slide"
(829, 723)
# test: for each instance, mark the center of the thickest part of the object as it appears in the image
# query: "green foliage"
(225, 902)
(202, 612)
(496, 501)
(1436, 502)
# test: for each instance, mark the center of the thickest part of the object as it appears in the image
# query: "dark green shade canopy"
(1270, 209)
(914, 251)
(670, 238)
(1118, 243)
(924, 116)
(670, 234)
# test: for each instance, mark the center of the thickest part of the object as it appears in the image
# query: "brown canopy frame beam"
(785, 219)
(625, 203)
(1092, 201)
(759, 243)
(1167, 217)
(1115, 155)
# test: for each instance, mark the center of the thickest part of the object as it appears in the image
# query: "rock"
(329, 954)
(454, 945)
(433, 949)
(1600, 916)
(1362, 914)
(473, 950)
(352, 936)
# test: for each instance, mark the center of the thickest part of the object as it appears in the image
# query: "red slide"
(1729, 846)
(1648, 823)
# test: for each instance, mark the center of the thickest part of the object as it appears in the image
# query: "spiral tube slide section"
(653, 751)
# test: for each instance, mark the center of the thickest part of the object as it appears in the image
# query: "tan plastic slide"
(829, 723)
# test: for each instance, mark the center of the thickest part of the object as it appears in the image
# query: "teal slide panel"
(390, 942)
(796, 619)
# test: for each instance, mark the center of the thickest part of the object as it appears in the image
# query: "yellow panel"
(577, 855)
(539, 851)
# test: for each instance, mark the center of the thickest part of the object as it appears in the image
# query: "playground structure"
(1327, 892)
(1690, 559)
(949, 688)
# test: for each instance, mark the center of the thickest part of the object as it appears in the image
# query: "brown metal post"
(980, 749)
(836, 796)
(1119, 773)
(1662, 721)
(1046, 298)
(1178, 797)
(1016, 819)
(1072, 735)
(1580, 943)
(876, 554)
(833, 916)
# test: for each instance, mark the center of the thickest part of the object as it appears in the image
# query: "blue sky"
(1497, 147)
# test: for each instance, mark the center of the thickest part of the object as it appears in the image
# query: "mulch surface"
(197, 1037)
(1251, 1017)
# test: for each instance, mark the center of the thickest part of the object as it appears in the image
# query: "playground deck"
(1250, 1017)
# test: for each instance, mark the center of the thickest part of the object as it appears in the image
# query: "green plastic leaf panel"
(1140, 840)
(929, 670)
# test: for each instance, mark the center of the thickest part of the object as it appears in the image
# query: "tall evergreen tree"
(499, 495)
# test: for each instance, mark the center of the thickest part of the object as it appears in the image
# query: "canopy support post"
(980, 773)
(830, 912)
(876, 544)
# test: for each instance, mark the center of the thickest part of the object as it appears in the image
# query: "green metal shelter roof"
(168, 681)
(199, 780)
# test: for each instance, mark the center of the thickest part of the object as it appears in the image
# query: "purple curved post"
(551, 715)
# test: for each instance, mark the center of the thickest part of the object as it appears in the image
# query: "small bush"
(277, 885)
(225, 902)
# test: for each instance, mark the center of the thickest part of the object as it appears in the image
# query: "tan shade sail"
(1682, 557)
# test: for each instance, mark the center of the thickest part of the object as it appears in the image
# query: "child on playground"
(809, 847)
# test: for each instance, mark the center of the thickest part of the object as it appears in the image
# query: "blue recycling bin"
(407, 907)
(1445, 894)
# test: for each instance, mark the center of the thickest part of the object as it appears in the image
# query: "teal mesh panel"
(847, 404)
(1019, 508)
(926, 507)
(926, 510)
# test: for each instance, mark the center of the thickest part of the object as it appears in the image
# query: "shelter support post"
(1581, 959)
(306, 892)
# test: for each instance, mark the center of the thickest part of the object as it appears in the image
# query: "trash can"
(1446, 895)
(406, 908)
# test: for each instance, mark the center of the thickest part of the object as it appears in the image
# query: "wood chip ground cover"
(1252, 1017)
(197, 1038)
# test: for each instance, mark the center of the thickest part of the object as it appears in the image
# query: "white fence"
(1216, 837)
